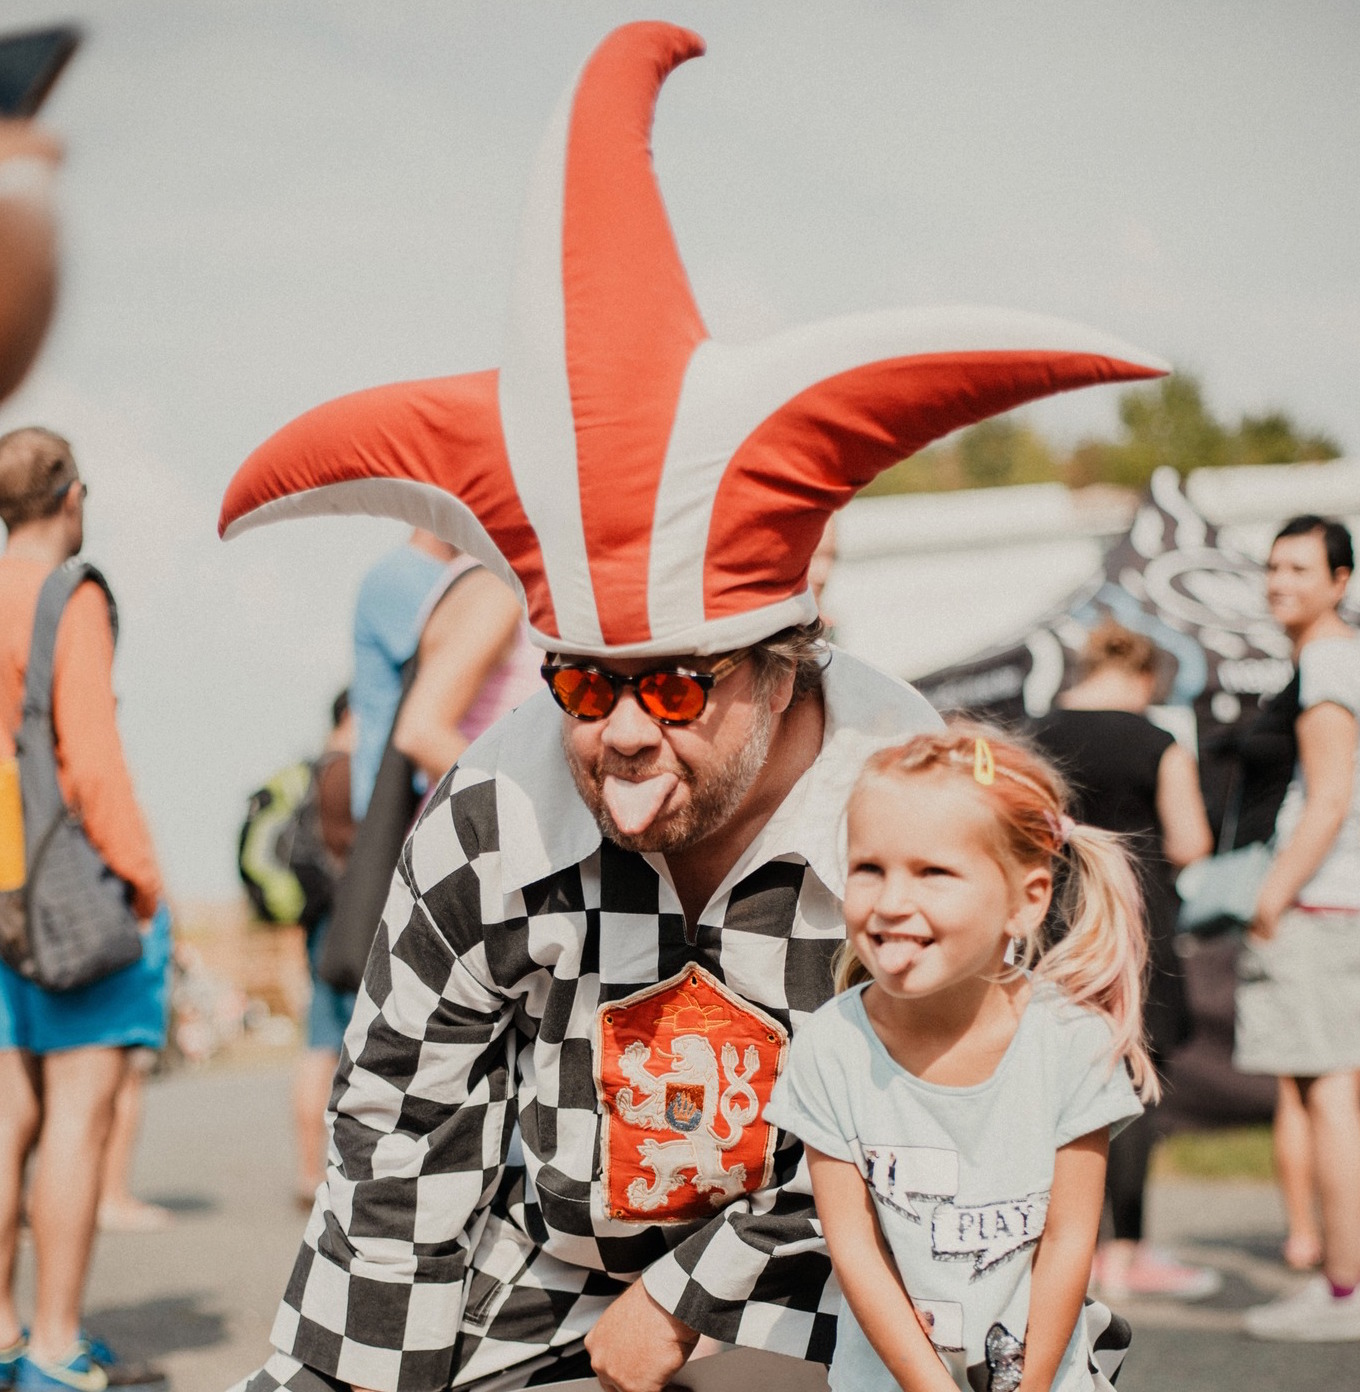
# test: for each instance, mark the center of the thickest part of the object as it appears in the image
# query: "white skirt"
(1298, 997)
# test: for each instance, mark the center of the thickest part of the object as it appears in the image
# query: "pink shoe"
(1158, 1275)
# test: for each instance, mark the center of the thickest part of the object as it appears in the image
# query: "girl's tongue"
(634, 805)
(897, 954)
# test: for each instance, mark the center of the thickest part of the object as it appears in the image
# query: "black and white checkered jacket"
(468, 1223)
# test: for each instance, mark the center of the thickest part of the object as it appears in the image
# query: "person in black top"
(1264, 752)
(1130, 776)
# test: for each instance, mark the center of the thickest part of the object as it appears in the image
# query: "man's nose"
(628, 728)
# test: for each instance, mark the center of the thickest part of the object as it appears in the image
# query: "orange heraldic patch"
(683, 1070)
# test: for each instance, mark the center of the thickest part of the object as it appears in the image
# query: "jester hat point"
(646, 489)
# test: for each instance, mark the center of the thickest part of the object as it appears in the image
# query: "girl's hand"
(1062, 1261)
(869, 1278)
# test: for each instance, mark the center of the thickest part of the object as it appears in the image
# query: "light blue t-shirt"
(386, 632)
(960, 1176)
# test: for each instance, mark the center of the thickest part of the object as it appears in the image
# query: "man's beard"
(714, 795)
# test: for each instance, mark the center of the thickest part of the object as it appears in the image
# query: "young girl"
(957, 1097)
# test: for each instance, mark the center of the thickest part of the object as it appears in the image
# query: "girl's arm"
(1327, 740)
(1062, 1261)
(869, 1277)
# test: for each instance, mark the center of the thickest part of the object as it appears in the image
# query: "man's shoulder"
(511, 794)
(866, 699)
(866, 709)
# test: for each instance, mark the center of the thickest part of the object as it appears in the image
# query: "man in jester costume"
(549, 1148)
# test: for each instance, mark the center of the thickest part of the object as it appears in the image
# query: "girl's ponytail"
(1094, 949)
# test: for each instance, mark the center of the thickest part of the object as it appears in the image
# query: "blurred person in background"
(392, 601)
(465, 629)
(387, 613)
(63, 1056)
(820, 568)
(1130, 776)
(120, 1210)
(328, 1010)
(1265, 751)
(474, 664)
(1298, 995)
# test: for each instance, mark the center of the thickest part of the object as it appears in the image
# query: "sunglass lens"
(586, 695)
(671, 696)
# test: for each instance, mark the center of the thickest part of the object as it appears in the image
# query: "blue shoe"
(122, 1375)
(9, 1362)
(77, 1372)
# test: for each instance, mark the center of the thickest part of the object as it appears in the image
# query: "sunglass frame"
(619, 683)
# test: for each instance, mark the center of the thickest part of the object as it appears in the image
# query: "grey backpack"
(71, 922)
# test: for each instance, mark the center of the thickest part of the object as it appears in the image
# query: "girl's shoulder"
(1057, 1017)
(837, 1025)
(1087, 1082)
(840, 1012)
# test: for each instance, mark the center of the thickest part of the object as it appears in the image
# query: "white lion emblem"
(689, 1100)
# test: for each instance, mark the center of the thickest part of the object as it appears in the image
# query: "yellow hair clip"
(984, 766)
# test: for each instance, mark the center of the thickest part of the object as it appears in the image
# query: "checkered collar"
(546, 828)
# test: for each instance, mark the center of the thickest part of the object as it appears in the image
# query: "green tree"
(1165, 422)
(998, 451)
(1001, 451)
(1274, 439)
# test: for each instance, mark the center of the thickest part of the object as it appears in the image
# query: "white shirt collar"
(545, 827)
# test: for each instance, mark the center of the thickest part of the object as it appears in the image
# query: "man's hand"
(636, 1345)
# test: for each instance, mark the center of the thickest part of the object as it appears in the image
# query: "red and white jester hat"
(647, 489)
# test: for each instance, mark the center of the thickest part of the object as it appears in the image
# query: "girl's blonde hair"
(1094, 947)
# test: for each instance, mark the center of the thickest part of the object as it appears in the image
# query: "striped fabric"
(646, 488)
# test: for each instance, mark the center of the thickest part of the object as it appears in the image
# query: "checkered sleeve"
(421, 1122)
(758, 1274)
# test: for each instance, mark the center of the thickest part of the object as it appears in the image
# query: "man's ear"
(72, 506)
(781, 693)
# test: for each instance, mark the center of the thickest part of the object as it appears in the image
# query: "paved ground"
(216, 1148)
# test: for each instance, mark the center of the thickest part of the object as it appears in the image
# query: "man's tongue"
(897, 954)
(634, 806)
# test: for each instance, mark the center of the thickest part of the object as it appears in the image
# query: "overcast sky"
(268, 203)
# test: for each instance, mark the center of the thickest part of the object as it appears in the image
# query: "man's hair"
(1336, 540)
(35, 465)
(801, 649)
